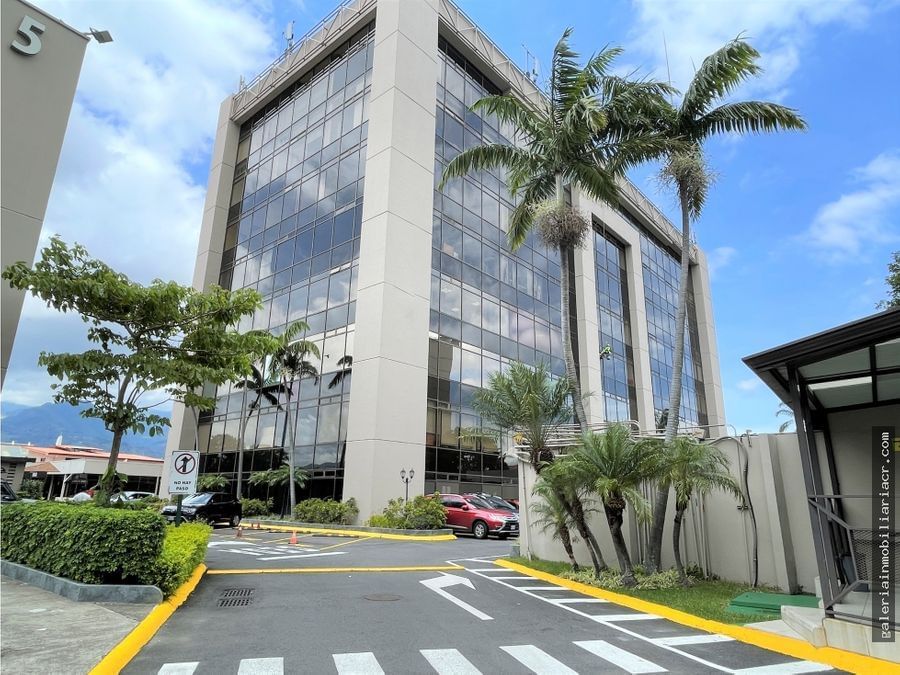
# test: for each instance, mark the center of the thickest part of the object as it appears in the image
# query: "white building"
(322, 196)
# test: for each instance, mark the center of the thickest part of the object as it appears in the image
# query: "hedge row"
(326, 511)
(183, 549)
(87, 544)
(422, 513)
(95, 545)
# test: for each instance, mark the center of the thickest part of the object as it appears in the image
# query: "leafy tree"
(694, 468)
(701, 115)
(280, 478)
(158, 338)
(893, 282)
(784, 410)
(212, 482)
(261, 390)
(613, 465)
(289, 363)
(527, 401)
(584, 133)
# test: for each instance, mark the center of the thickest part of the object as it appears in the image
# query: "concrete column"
(386, 431)
(588, 329)
(765, 448)
(209, 256)
(709, 350)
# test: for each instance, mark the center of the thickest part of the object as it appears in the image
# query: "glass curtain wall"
(617, 368)
(293, 235)
(661, 270)
(489, 306)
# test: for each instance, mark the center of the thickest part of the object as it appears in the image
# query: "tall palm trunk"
(676, 540)
(245, 422)
(292, 488)
(566, 540)
(614, 518)
(575, 509)
(565, 286)
(661, 501)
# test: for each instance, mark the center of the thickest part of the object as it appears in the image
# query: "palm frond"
(720, 73)
(482, 158)
(748, 117)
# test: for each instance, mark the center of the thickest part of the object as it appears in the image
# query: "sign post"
(183, 477)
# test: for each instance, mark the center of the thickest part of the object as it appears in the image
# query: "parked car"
(209, 507)
(468, 513)
(494, 501)
(130, 496)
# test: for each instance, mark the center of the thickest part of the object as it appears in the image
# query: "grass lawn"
(706, 599)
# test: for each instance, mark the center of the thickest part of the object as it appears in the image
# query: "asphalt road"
(461, 621)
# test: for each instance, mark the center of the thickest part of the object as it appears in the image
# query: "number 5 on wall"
(31, 30)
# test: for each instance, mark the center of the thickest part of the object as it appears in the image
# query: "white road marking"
(624, 617)
(438, 584)
(178, 668)
(303, 555)
(692, 639)
(630, 663)
(568, 601)
(449, 662)
(537, 660)
(785, 668)
(542, 588)
(360, 663)
(261, 667)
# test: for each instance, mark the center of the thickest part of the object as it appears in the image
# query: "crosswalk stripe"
(624, 617)
(537, 660)
(179, 668)
(785, 668)
(630, 663)
(691, 639)
(449, 662)
(359, 663)
(261, 667)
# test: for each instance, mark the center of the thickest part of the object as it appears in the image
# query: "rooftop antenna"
(289, 35)
(532, 66)
(668, 71)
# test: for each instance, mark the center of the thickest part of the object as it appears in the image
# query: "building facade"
(324, 196)
(40, 66)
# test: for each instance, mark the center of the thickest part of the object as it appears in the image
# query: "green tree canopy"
(163, 339)
(893, 283)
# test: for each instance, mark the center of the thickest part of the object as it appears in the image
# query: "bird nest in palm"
(561, 226)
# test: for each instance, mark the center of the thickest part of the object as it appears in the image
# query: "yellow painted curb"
(362, 533)
(131, 644)
(856, 663)
(331, 570)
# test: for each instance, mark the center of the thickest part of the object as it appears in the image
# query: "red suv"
(467, 513)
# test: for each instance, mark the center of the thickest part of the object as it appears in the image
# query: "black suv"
(209, 507)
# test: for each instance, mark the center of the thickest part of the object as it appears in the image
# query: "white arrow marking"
(439, 583)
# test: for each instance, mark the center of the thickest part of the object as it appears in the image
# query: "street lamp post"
(406, 478)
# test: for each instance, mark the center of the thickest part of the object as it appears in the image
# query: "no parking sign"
(183, 476)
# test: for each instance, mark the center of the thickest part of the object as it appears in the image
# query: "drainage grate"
(235, 597)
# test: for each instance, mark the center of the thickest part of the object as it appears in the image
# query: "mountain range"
(44, 424)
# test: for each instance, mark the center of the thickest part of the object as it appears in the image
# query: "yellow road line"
(844, 660)
(363, 533)
(141, 634)
(343, 543)
(341, 570)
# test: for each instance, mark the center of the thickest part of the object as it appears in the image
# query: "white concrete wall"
(386, 431)
(37, 94)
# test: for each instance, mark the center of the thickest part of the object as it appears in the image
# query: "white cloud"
(719, 258)
(131, 181)
(677, 35)
(862, 221)
(750, 384)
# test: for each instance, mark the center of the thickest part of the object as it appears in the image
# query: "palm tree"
(784, 410)
(613, 465)
(694, 468)
(700, 115)
(289, 363)
(584, 133)
(526, 400)
(275, 478)
(552, 515)
(261, 390)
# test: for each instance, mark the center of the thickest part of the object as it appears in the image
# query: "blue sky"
(798, 228)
